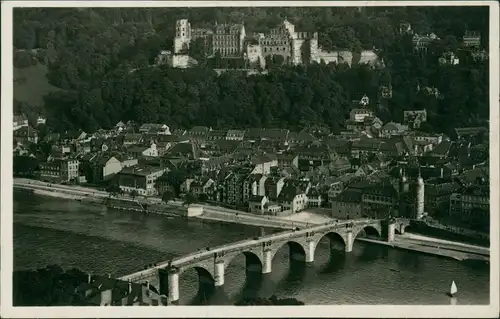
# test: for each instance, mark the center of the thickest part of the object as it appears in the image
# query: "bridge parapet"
(211, 264)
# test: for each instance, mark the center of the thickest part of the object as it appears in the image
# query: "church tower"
(404, 188)
(420, 196)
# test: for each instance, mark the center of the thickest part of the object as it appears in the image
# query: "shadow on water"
(476, 265)
(372, 252)
(254, 281)
(296, 275)
(410, 261)
(206, 292)
(338, 261)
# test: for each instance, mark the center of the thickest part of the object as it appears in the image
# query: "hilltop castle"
(232, 41)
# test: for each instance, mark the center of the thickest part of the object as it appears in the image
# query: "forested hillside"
(90, 54)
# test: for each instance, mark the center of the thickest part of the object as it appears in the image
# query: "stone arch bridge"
(211, 264)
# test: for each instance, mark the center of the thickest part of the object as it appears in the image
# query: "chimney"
(442, 173)
(147, 284)
(90, 278)
(129, 286)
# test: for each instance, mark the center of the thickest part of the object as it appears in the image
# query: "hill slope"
(31, 84)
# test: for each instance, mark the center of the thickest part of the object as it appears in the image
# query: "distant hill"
(31, 84)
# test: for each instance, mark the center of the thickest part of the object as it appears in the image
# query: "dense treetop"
(100, 58)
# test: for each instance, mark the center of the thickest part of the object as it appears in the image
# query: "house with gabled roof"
(393, 128)
(347, 204)
(337, 185)
(263, 163)
(257, 134)
(235, 135)
(256, 204)
(101, 167)
(314, 198)
(132, 139)
(202, 186)
(140, 151)
(365, 146)
(273, 186)
(198, 134)
(155, 128)
(216, 135)
(251, 185)
(292, 199)
(298, 138)
(442, 150)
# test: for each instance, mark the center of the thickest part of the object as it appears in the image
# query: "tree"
(24, 165)
(101, 68)
(190, 198)
(134, 194)
(167, 196)
(175, 178)
(198, 51)
(113, 190)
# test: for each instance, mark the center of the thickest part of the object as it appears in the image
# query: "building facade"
(140, 179)
(228, 40)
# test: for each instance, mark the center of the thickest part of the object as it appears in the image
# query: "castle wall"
(368, 56)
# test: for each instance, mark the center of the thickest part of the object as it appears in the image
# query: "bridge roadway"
(179, 262)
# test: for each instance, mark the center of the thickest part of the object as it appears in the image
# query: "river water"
(98, 240)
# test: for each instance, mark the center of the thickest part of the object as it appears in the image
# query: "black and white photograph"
(191, 155)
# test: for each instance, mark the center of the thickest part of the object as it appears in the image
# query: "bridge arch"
(369, 230)
(297, 250)
(333, 237)
(252, 259)
(402, 226)
(206, 281)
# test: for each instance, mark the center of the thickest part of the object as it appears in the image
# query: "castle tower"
(182, 35)
(420, 196)
(314, 47)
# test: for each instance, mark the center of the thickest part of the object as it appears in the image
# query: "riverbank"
(215, 214)
(209, 213)
(435, 247)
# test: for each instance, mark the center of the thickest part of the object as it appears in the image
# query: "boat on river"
(453, 289)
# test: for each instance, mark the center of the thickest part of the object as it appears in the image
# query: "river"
(102, 241)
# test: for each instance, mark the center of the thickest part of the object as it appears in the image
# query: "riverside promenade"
(436, 247)
(209, 213)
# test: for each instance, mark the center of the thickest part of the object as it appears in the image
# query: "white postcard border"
(387, 311)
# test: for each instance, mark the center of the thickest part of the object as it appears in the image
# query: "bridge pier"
(173, 286)
(401, 228)
(349, 242)
(267, 264)
(391, 231)
(219, 273)
(310, 252)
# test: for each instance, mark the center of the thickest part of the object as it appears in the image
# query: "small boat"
(453, 289)
(396, 270)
